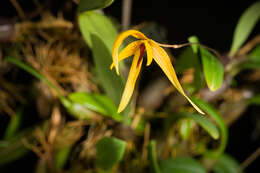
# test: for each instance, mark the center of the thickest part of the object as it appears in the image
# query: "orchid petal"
(163, 60)
(148, 52)
(130, 84)
(118, 41)
(129, 50)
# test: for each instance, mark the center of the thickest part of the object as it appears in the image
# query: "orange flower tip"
(117, 72)
(111, 66)
(202, 113)
(119, 111)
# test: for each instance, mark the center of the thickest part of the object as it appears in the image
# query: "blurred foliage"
(60, 97)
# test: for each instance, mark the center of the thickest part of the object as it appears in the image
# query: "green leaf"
(213, 69)
(203, 122)
(95, 23)
(13, 148)
(99, 33)
(195, 47)
(181, 165)
(244, 26)
(227, 164)
(249, 64)
(185, 128)
(112, 84)
(96, 102)
(77, 110)
(86, 5)
(110, 151)
(13, 125)
(218, 119)
(61, 157)
(255, 100)
(152, 157)
(253, 62)
(255, 53)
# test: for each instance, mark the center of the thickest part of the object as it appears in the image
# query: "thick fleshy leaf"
(219, 121)
(110, 151)
(100, 33)
(119, 40)
(95, 23)
(86, 5)
(152, 157)
(213, 69)
(249, 64)
(163, 60)
(186, 127)
(193, 40)
(112, 84)
(96, 102)
(255, 100)
(245, 26)
(181, 165)
(61, 157)
(227, 164)
(255, 53)
(203, 122)
(131, 80)
(129, 50)
(253, 62)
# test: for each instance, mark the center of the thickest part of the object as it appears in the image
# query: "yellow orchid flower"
(138, 48)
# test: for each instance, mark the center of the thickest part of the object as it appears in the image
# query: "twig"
(32, 147)
(126, 13)
(146, 140)
(249, 46)
(177, 46)
(208, 95)
(250, 159)
(18, 9)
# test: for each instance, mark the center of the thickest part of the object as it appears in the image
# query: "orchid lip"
(142, 50)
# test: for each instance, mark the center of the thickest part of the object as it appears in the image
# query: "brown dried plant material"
(56, 122)
(9, 95)
(188, 76)
(5, 103)
(95, 133)
(26, 29)
(44, 100)
(62, 66)
(54, 135)
(69, 134)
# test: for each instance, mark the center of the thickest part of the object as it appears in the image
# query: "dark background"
(212, 21)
